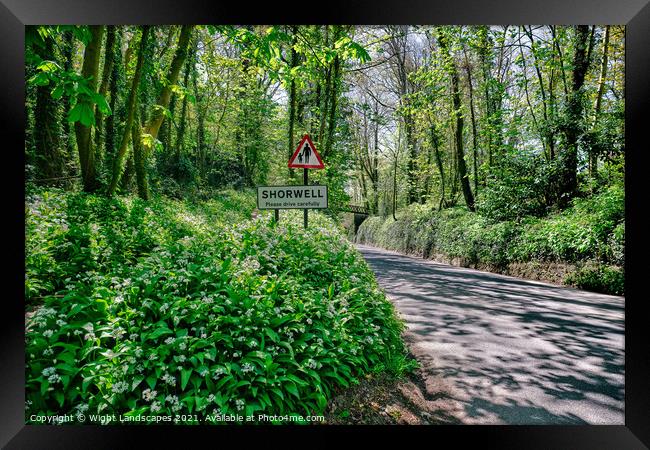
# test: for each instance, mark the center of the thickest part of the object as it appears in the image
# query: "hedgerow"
(192, 315)
(591, 233)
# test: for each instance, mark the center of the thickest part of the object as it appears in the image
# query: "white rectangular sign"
(292, 197)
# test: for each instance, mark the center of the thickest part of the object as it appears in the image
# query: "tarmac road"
(507, 350)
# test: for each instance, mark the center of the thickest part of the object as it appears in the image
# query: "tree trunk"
(157, 116)
(113, 88)
(329, 142)
(593, 161)
(473, 117)
(456, 101)
(84, 143)
(375, 164)
(292, 95)
(548, 138)
(109, 58)
(575, 126)
(131, 113)
(69, 52)
(47, 130)
(412, 155)
(180, 137)
(139, 157)
(436, 147)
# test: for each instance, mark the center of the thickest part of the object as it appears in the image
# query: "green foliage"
(68, 84)
(189, 308)
(522, 187)
(601, 278)
(592, 229)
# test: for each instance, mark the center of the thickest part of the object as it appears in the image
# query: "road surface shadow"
(514, 351)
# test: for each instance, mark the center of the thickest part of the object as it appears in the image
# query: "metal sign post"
(306, 157)
(305, 181)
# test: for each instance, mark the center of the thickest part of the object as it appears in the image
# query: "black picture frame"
(15, 14)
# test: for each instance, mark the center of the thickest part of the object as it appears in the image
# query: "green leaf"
(185, 377)
(137, 379)
(161, 331)
(151, 381)
(102, 104)
(136, 412)
(60, 398)
(57, 92)
(86, 381)
(40, 79)
(82, 112)
(292, 389)
(278, 392)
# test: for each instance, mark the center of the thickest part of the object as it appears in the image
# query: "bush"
(606, 279)
(208, 317)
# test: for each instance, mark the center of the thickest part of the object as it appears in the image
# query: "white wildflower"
(120, 387)
(148, 395)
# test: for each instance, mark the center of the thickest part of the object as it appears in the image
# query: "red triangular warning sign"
(306, 156)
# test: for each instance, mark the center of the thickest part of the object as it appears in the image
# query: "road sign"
(292, 197)
(306, 156)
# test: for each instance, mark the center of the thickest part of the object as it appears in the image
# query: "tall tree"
(121, 155)
(293, 63)
(450, 65)
(47, 120)
(189, 68)
(109, 58)
(402, 66)
(114, 88)
(574, 123)
(158, 113)
(593, 161)
(85, 145)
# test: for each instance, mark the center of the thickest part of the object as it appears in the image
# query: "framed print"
(381, 219)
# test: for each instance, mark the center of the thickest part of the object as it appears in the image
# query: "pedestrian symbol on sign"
(306, 156)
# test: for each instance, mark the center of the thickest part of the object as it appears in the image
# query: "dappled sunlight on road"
(512, 351)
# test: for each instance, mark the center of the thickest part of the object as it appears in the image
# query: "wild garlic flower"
(169, 379)
(148, 395)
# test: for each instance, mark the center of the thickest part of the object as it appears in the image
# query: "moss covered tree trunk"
(458, 117)
(139, 157)
(109, 58)
(47, 128)
(121, 155)
(292, 95)
(158, 113)
(113, 88)
(85, 145)
(574, 126)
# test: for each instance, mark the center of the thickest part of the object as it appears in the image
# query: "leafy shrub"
(579, 233)
(522, 188)
(606, 279)
(208, 317)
